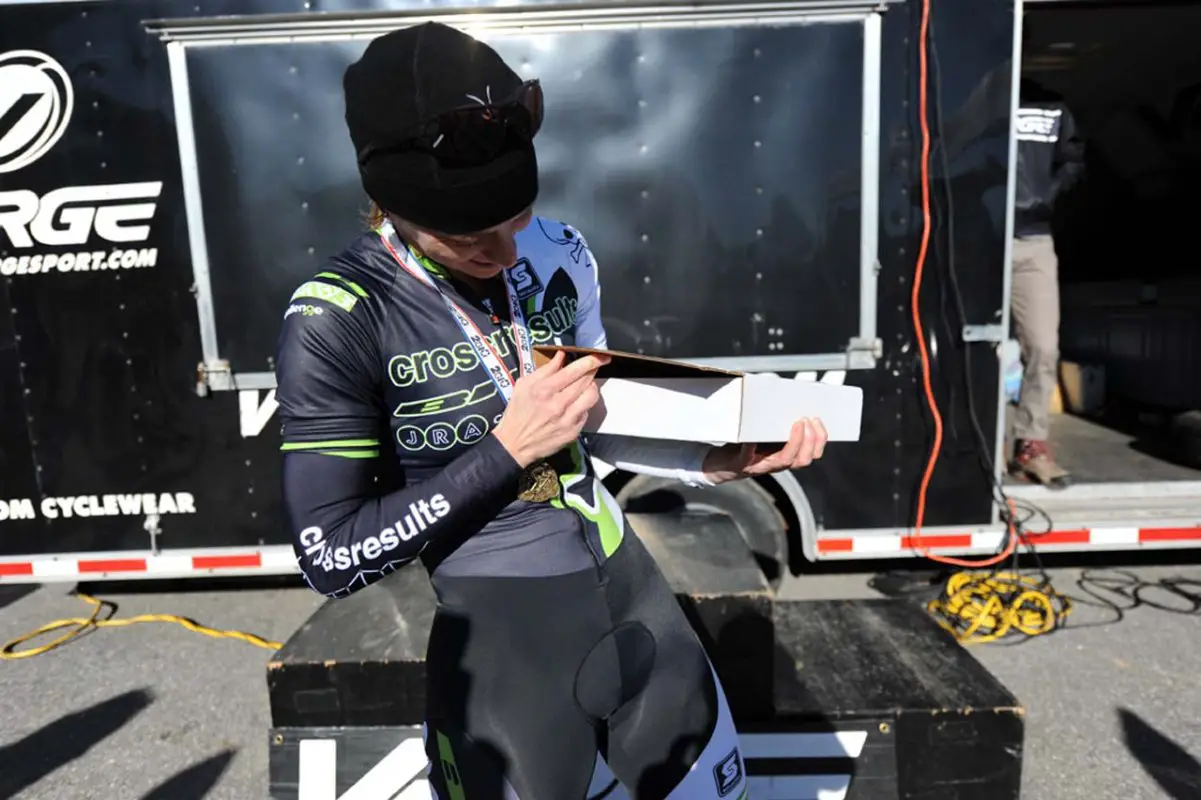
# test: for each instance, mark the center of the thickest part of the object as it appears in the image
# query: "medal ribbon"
(491, 360)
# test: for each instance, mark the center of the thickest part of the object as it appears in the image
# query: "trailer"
(763, 183)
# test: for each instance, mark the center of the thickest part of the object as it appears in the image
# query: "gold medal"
(538, 483)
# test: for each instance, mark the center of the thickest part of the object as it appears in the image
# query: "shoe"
(1032, 460)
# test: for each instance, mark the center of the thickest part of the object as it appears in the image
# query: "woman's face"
(480, 255)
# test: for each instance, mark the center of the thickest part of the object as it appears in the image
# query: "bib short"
(529, 678)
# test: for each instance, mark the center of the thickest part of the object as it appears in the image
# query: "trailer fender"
(773, 514)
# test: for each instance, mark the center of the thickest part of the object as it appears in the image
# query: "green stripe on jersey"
(334, 295)
(354, 287)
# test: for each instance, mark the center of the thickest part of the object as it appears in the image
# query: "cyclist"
(416, 425)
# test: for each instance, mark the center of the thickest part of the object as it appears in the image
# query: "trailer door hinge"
(983, 333)
(216, 376)
(863, 353)
(874, 346)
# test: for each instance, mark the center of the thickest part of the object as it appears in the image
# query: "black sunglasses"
(473, 135)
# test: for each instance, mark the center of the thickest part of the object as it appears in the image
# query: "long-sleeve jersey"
(387, 416)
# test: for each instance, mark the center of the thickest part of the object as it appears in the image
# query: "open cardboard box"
(662, 399)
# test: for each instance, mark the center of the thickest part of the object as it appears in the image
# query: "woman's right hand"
(549, 407)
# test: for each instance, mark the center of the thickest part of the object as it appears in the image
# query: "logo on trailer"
(70, 228)
(36, 101)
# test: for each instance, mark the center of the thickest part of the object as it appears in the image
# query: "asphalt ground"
(156, 712)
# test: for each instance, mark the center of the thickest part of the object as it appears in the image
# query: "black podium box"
(854, 699)
(360, 660)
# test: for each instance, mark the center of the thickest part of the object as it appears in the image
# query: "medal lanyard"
(487, 354)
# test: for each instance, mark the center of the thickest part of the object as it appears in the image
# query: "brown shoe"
(1032, 460)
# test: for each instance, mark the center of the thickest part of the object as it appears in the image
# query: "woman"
(415, 425)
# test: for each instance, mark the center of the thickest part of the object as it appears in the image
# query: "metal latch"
(216, 376)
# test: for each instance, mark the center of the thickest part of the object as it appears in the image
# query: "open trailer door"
(1130, 293)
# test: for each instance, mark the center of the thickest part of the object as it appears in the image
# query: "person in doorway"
(1050, 158)
(416, 425)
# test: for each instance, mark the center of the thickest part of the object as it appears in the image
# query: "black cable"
(983, 450)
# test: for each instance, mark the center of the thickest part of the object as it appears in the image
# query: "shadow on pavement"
(1177, 773)
(195, 782)
(13, 593)
(25, 762)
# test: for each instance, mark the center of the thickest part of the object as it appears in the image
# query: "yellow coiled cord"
(982, 607)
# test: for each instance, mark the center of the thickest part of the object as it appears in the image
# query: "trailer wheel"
(751, 507)
(1186, 430)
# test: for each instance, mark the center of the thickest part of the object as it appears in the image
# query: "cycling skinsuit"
(556, 636)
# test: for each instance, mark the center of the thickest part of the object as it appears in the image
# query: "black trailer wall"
(690, 267)
(100, 352)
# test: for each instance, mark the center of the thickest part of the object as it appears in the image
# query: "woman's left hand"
(734, 461)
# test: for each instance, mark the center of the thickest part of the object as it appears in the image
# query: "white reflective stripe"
(1113, 536)
(818, 744)
(876, 544)
(799, 787)
(987, 540)
(176, 564)
(275, 557)
(64, 568)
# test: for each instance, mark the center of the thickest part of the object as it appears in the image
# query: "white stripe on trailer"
(1113, 536)
(55, 568)
(169, 564)
(876, 544)
(1179, 533)
(987, 540)
(134, 565)
(282, 557)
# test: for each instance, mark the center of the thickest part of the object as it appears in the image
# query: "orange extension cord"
(978, 604)
(931, 402)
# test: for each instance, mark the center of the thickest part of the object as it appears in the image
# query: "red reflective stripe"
(1083, 536)
(835, 545)
(1168, 534)
(227, 562)
(936, 540)
(114, 565)
(16, 568)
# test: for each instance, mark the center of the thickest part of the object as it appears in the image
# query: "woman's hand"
(734, 461)
(549, 407)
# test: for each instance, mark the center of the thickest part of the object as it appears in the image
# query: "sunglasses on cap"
(473, 135)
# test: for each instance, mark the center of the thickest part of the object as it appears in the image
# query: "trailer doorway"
(1130, 276)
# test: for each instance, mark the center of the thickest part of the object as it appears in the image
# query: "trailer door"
(721, 160)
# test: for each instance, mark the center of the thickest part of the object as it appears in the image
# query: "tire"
(1186, 430)
(751, 507)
